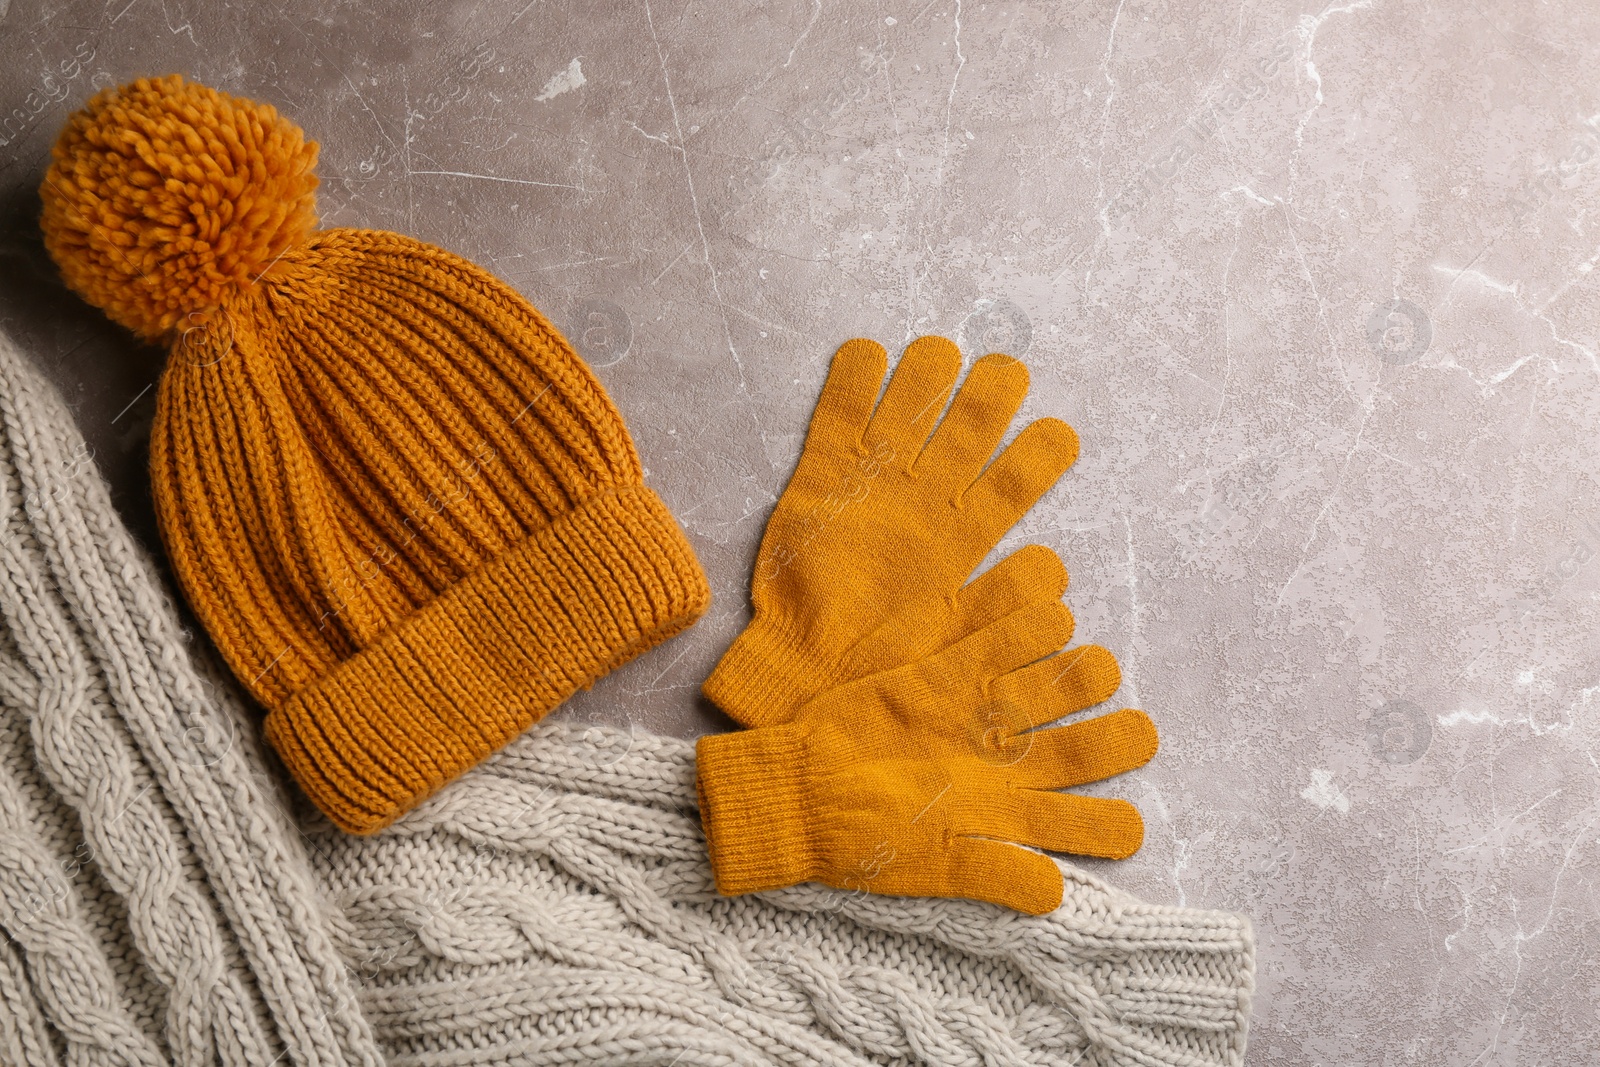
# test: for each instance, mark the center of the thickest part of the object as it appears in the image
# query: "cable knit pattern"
(556, 905)
(552, 906)
(154, 894)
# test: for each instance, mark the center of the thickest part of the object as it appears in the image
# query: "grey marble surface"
(1314, 285)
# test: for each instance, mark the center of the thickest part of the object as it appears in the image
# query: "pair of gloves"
(896, 712)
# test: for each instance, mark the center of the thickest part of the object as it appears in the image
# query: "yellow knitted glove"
(882, 523)
(924, 780)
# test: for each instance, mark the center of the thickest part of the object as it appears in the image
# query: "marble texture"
(1313, 283)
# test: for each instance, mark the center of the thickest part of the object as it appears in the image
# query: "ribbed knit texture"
(404, 509)
(554, 907)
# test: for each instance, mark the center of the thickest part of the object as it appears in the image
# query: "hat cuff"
(489, 657)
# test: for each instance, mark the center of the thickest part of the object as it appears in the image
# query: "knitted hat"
(402, 506)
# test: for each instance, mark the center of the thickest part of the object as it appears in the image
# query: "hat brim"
(498, 650)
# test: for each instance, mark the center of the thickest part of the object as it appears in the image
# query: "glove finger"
(1001, 873)
(1063, 822)
(978, 418)
(845, 406)
(915, 398)
(1037, 694)
(1016, 480)
(1090, 751)
(1018, 639)
(1062, 685)
(1030, 575)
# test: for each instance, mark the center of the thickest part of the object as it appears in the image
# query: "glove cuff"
(754, 808)
(763, 678)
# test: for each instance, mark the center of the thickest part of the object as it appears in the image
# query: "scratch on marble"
(1582, 271)
(1463, 717)
(1514, 291)
(675, 258)
(568, 263)
(1251, 193)
(682, 148)
(1105, 117)
(816, 9)
(1316, 524)
(938, 179)
(1227, 348)
(1104, 212)
(1131, 659)
(659, 139)
(1501, 826)
(1322, 305)
(758, 320)
(675, 661)
(1309, 25)
(1518, 937)
(498, 178)
(949, 103)
(1180, 863)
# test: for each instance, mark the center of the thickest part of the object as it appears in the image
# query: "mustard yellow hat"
(403, 508)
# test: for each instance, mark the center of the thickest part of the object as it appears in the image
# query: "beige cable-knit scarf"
(159, 903)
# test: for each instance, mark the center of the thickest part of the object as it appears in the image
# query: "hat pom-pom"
(164, 198)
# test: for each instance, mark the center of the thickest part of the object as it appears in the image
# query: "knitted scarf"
(163, 899)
